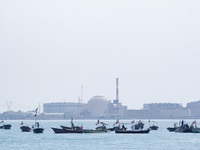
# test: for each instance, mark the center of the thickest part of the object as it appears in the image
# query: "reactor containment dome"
(98, 106)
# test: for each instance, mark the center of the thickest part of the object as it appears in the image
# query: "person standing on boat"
(123, 127)
(133, 128)
(182, 122)
(72, 126)
(37, 125)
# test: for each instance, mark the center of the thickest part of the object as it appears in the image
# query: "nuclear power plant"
(96, 107)
(102, 107)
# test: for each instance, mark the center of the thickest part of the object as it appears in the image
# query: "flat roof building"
(73, 108)
(162, 106)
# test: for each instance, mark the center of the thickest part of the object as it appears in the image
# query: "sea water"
(160, 139)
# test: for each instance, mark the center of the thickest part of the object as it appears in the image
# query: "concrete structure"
(162, 106)
(16, 115)
(159, 114)
(118, 110)
(195, 108)
(98, 106)
(69, 108)
(160, 110)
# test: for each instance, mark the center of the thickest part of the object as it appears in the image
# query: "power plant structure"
(97, 107)
(101, 107)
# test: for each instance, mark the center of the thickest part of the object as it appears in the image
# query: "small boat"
(132, 132)
(195, 130)
(73, 127)
(7, 126)
(25, 128)
(58, 130)
(153, 127)
(183, 130)
(171, 129)
(36, 127)
(38, 130)
(194, 127)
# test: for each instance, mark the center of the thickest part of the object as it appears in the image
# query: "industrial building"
(102, 107)
(99, 106)
(74, 109)
(162, 106)
(96, 107)
(159, 114)
(195, 108)
(161, 110)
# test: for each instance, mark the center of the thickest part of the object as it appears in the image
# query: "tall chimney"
(117, 91)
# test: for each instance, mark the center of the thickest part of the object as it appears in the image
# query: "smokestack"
(117, 91)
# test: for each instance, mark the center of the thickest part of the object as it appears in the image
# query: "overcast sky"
(49, 48)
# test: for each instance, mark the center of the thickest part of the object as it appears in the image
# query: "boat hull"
(153, 127)
(196, 130)
(171, 129)
(70, 128)
(94, 131)
(38, 130)
(184, 130)
(60, 131)
(25, 129)
(132, 132)
(6, 126)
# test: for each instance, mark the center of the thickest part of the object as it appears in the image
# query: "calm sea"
(161, 139)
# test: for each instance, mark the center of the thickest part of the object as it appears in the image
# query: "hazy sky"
(49, 48)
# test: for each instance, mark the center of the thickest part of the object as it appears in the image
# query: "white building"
(73, 108)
